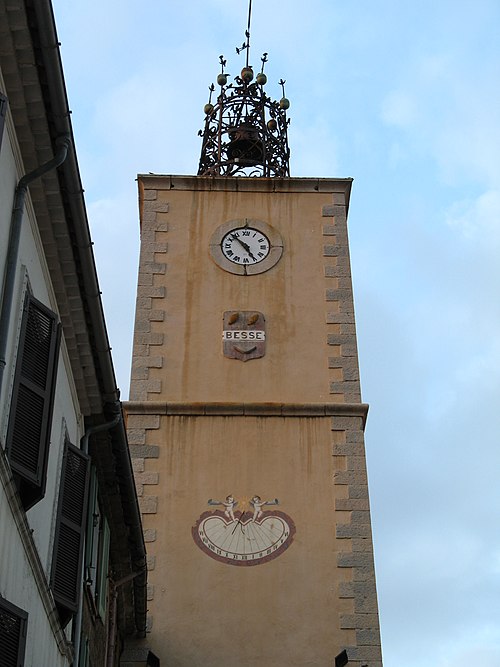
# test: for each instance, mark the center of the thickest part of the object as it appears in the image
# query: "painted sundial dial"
(243, 537)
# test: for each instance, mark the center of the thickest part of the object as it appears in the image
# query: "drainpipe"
(84, 446)
(63, 142)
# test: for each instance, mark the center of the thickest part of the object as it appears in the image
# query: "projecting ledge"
(248, 409)
(241, 184)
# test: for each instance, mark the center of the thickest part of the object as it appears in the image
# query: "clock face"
(245, 245)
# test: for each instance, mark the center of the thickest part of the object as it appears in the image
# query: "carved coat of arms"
(244, 334)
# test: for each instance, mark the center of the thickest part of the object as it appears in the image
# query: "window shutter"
(13, 626)
(28, 436)
(3, 113)
(68, 545)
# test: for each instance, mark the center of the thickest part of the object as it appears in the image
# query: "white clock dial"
(245, 246)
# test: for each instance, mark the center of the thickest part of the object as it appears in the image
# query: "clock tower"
(245, 417)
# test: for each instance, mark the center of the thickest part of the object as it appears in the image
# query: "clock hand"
(245, 246)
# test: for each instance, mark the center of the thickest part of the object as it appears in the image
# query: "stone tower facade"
(245, 425)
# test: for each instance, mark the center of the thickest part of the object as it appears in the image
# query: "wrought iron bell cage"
(246, 132)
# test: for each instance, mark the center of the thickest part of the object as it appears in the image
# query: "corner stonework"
(356, 557)
(150, 297)
(342, 361)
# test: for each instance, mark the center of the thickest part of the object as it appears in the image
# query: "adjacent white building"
(72, 557)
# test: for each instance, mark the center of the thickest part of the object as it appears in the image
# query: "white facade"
(62, 602)
(27, 539)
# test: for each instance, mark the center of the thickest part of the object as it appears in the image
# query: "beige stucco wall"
(301, 297)
(283, 612)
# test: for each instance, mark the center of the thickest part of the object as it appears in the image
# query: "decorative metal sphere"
(222, 79)
(261, 79)
(208, 108)
(284, 103)
(272, 125)
(247, 74)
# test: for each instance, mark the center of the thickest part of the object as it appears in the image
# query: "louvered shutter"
(13, 625)
(68, 546)
(28, 436)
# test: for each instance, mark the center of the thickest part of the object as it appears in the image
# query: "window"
(97, 551)
(13, 626)
(67, 559)
(28, 435)
(3, 113)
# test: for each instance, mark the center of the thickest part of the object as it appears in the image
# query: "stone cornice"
(233, 184)
(247, 409)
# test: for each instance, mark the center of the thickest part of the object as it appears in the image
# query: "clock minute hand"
(245, 246)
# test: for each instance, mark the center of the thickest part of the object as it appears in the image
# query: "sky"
(405, 98)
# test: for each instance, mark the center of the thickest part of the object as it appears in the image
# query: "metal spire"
(245, 130)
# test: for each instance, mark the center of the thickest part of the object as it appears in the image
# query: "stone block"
(151, 562)
(350, 350)
(347, 423)
(150, 535)
(150, 592)
(148, 217)
(338, 271)
(142, 324)
(147, 478)
(359, 621)
(349, 530)
(363, 573)
(143, 303)
(350, 504)
(157, 268)
(355, 437)
(145, 278)
(139, 374)
(362, 544)
(339, 318)
(346, 589)
(358, 491)
(153, 386)
(149, 338)
(329, 230)
(148, 504)
(156, 315)
(153, 292)
(161, 226)
(160, 206)
(144, 451)
(143, 421)
(355, 477)
(366, 654)
(346, 449)
(356, 463)
(136, 436)
(138, 465)
(339, 295)
(150, 194)
(351, 559)
(335, 250)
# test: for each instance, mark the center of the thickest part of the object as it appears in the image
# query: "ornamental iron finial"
(245, 130)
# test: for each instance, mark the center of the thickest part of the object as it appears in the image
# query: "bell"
(245, 145)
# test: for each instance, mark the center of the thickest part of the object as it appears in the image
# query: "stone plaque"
(244, 334)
